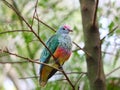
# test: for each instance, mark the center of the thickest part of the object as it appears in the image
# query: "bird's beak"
(70, 30)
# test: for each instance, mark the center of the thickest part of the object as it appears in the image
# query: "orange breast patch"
(62, 54)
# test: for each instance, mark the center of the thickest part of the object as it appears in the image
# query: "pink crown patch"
(67, 26)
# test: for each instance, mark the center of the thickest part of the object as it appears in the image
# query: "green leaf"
(113, 84)
(116, 57)
(111, 25)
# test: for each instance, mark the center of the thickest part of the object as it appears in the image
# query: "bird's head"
(65, 29)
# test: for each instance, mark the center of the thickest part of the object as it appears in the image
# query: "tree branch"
(92, 44)
(14, 31)
(113, 71)
(68, 73)
(17, 62)
(79, 79)
(45, 24)
(95, 13)
(81, 49)
(73, 87)
(28, 59)
(109, 33)
(35, 12)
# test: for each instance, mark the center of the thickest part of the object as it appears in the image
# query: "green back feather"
(52, 44)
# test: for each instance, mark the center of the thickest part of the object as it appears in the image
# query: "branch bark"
(92, 45)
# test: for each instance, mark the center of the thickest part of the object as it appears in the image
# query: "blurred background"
(23, 75)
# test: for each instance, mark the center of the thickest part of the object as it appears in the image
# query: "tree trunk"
(92, 46)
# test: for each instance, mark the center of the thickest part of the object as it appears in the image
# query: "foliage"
(54, 13)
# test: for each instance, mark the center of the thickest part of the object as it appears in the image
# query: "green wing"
(52, 44)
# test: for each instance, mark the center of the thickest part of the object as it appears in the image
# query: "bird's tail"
(42, 83)
(45, 73)
(43, 76)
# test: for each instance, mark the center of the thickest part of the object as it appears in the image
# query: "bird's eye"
(63, 28)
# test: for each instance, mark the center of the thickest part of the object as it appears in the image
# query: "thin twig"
(29, 77)
(95, 13)
(81, 49)
(16, 7)
(14, 31)
(109, 33)
(55, 74)
(76, 50)
(28, 59)
(45, 24)
(113, 71)
(35, 12)
(17, 62)
(110, 53)
(68, 79)
(72, 73)
(79, 78)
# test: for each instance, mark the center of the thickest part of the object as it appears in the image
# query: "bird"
(60, 45)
